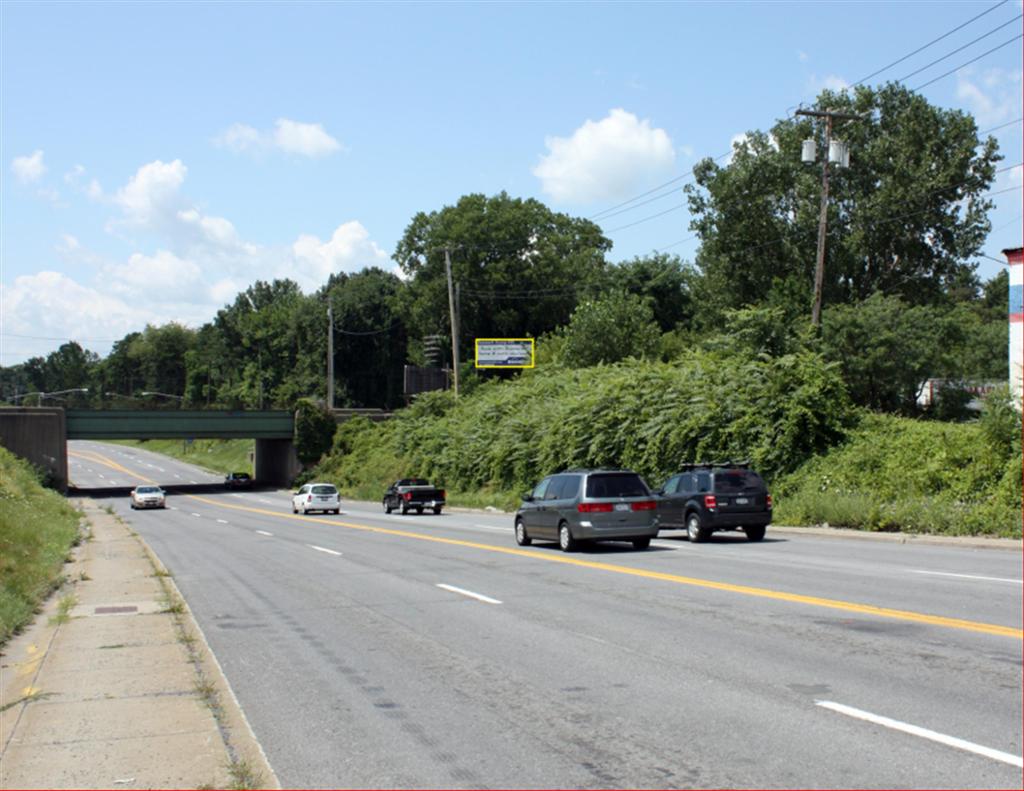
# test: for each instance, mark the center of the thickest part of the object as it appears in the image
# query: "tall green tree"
(521, 267)
(611, 328)
(903, 219)
(661, 279)
(370, 337)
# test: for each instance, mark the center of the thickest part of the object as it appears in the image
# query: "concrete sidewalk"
(114, 685)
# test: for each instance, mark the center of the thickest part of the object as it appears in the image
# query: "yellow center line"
(765, 593)
(97, 458)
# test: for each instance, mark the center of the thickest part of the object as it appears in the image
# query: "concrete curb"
(114, 685)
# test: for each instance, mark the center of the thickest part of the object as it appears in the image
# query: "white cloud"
(802, 56)
(29, 168)
(291, 137)
(151, 195)
(68, 244)
(94, 191)
(686, 151)
(348, 250)
(52, 304)
(309, 140)
(993, 96)
(239, 138)
(200, 263)
(605, 160)
(160, 278)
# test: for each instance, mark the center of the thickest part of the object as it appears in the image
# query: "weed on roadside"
(32, 696)
(65, 606)
(244, 775)
(174, 606)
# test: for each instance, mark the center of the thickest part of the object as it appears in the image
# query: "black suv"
(703, 498)
(237, 480)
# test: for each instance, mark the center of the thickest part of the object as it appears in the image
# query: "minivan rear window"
(737, 481)
(616, 484)
(324, 490)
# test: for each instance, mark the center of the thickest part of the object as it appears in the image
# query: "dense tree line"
(902, 300)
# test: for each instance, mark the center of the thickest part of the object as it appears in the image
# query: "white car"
(316, 497)
(148, 497)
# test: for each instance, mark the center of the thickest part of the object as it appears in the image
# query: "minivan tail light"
(309, 498)
(594, 508)
(768, 500)
(710, 501)
(645, 505)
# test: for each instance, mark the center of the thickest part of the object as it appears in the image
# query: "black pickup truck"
(413, 493)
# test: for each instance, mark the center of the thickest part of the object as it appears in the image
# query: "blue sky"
(157, 158)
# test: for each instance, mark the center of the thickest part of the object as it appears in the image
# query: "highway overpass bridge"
(40, 434)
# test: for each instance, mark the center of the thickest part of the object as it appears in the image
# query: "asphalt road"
(430, 651)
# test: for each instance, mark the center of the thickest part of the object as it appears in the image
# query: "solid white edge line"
(323, 549)
(966, 576)
(924, 733)
(264, 533)
(471, 595)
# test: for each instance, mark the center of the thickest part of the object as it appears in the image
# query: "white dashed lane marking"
(323, 549)
(470, 594)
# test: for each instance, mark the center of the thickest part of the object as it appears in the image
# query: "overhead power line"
(930, 43)
(968, 63)
(960, 49)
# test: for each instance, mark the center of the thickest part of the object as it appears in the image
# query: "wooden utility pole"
(330, 357)
(454, 321)
(819, 267)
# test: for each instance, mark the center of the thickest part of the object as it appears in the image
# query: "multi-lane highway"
(373, 650)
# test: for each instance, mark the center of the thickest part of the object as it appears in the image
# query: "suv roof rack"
(728, 464)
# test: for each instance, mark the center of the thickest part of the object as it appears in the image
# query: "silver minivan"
(588, 505)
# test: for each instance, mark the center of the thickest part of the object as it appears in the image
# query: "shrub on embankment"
(37, 529)
(900, 474)
(650, 417)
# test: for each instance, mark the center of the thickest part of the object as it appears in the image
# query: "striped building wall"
(1015, 256)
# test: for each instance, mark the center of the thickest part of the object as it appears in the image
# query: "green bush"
(648, 416)
(902, 474)
(37, 529)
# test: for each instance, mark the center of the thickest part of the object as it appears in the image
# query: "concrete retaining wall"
(37, 434)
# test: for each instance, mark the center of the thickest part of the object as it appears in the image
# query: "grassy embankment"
(216, 455)
(825, 461)
(898, 474)
(37, 530)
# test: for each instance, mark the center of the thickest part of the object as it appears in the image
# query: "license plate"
(621, 506)
(741, 501)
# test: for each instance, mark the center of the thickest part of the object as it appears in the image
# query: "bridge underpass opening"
(41, 434)
(274, 459)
